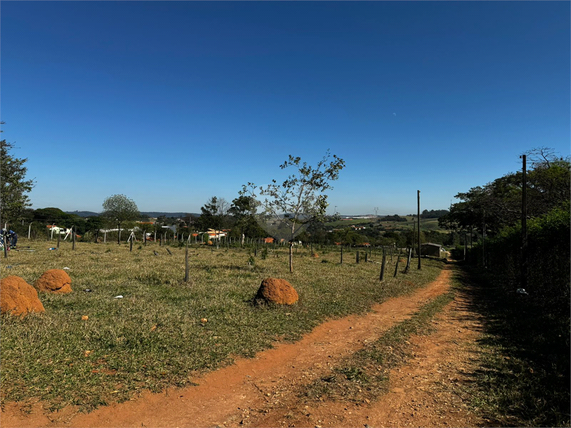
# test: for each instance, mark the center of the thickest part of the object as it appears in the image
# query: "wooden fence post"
(408, 260)
(186, 263)
(383, 265)
(397, 267)
(341, 254)
(357, 256)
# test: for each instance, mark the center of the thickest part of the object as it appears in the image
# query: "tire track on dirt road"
(432, 388)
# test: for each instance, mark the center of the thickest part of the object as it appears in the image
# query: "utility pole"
(524, 223)
(418, 220)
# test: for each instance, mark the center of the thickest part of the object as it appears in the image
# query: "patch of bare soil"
(263, 391)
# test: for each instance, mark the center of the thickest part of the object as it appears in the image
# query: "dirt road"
(261, 391)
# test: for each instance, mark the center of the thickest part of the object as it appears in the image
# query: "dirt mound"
(17, 297)
(276, 290)
(54, 281)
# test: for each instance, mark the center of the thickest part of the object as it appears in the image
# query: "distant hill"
(83, 213)
(155, 214)
(151, 214)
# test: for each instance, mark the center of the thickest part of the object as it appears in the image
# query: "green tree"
(209, 215)
(433, 213)
(119, 209)
(146, 227)
(52, 215)
(300, 199)
(93, 225)
(498, 204)
(13, 198)
(213, 214)
(243, 211)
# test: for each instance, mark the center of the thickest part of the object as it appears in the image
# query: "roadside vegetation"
(524, 360)
(522, 289)
(163, 332)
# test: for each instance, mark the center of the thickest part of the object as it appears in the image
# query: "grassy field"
(153, 337)
(425, 223)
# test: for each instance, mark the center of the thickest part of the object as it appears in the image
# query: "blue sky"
(171, 103)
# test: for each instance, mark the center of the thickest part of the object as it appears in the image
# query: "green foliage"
(433, 213)
(120, 208)
(498, 204)
(243, 220)
(548, 256)
(300, 199)
(13, 184)
(213, 214)
(51, 215)
(347, 237)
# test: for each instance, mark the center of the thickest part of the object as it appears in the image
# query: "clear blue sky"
(171, 103)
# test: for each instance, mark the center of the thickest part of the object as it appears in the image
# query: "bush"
(457, 253)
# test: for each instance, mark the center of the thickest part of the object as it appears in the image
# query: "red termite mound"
(278, 291)
(17, 297)
(54, 281)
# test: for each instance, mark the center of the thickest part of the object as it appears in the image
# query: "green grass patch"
(153, 337)
(364, 375)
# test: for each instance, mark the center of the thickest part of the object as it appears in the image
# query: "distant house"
(216, 234)
(430, 249)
